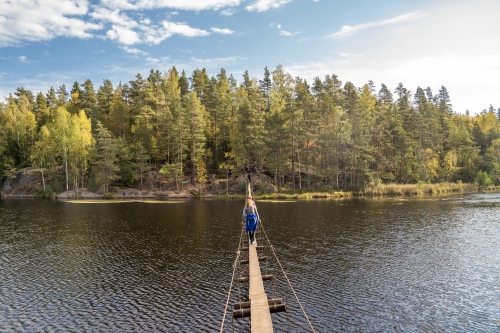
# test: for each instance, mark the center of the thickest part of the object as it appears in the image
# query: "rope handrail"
(231, 284)
(248, 190)
(289, 283)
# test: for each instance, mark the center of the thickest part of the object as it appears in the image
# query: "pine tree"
(265, 86)
(41, 109)
(88, 98)
(140, 161)
(51, 98)
(106, 163)
(195, 126)
(29, 95)
(75, 89)
(104, 99)
(119, 119)
(183, 83)
(277, 134)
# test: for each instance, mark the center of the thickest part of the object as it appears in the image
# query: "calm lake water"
(428, 264)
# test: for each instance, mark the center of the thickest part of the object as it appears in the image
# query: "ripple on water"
(356, 265)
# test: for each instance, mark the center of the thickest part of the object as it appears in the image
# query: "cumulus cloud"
(155, 35)
(115, 17)
(134, 51)
(24, 21)
(183, 29)
(23, 59)
(222, 31)
(174, 4)
(32, 20)
(348, 30)
(123, 35)
(263, 5)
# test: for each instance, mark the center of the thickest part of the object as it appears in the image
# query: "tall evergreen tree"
(106, 163)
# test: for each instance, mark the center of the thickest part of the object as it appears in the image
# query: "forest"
(323, 134)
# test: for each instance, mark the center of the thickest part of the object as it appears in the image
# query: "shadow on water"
(357, 265)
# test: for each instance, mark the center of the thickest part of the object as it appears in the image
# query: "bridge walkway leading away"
(259, 308)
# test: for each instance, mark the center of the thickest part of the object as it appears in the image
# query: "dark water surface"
(427, 264)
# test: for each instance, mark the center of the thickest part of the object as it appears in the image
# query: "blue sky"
(46, 43)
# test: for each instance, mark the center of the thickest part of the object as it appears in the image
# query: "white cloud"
(123, 35)
(23, 59)
(35, 20)
(222, 31)
(228, 12)
(32, 20)
(155, 35)
(263, 5)
(113, 16)
(134, 51)
(287, 33)
(153, 60)
(347, 30)
(183, 29)
(279, 26)
(174, 4)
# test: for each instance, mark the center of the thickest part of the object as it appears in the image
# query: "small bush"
(109, 196)
(47, 193)
(483, 179)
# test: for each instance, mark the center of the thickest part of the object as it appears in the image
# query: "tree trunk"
(66, 167)
(43, 178)
(193, 173)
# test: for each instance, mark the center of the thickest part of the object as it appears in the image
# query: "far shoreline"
(382, 191)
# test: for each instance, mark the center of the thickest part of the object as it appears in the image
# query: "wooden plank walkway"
(260, 319)
(260, 316)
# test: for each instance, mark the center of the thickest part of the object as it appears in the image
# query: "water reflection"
(419, 264)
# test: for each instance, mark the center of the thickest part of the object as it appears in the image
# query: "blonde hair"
(249, 203)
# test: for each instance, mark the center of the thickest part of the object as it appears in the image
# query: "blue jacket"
(252, 222)
(251, 218)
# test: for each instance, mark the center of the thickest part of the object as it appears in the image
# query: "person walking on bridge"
(251, 218)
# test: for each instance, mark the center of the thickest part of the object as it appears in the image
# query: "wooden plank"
(261, 317)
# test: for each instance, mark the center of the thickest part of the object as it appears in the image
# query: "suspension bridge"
(257, 306)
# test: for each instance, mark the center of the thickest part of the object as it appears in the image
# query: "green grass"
(381, 190)
(418, 189)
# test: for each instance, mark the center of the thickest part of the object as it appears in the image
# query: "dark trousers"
(251, 235)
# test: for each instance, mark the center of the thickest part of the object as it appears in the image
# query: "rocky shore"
(27, 182)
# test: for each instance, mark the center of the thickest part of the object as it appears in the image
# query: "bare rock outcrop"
(23, 183)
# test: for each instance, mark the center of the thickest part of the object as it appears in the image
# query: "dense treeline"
(305, 135)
